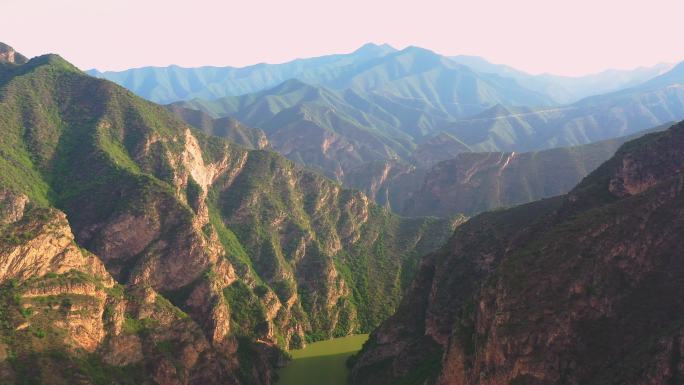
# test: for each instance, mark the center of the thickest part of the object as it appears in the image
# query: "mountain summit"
(373, 49)
(9, 55)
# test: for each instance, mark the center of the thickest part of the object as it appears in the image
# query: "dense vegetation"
(136, 249)
(248, 248)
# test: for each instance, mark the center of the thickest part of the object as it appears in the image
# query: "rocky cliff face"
(312, 242)
(470, 183)
(65, 319)
(9, 55)
(579, 289)
(38, 241)
(389, 183)
(225, 255)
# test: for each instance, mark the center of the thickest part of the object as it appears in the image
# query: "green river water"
(321, 363)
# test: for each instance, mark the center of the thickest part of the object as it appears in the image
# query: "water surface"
(321, 363)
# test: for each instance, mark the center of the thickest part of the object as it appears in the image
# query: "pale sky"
(569, 37)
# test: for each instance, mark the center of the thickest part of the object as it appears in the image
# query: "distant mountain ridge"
(409, 73)
(173, 83)
(348, 116)
(471, 182)
(591, 119)
(568, 89)
(333, 130)
(336, 130)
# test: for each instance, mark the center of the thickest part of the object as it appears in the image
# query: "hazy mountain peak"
(421, 57)
(415, 50)
(678, 68)
(672, 77)
(9, 55)
(375, 49)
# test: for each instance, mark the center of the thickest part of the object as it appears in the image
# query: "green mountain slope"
(170, 84)
(389, 183)
(326, 129)
(382, 113)
(410, 74)
(419, 74)
(600, 117)
(249, 252)
(229, 128)
(368, 119)
(584, 288)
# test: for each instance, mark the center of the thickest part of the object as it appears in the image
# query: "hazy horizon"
(377, 44)
(538, 36)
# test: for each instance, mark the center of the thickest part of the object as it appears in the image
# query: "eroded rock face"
(216, 257)
(124, 350)
(12, 206)
(580, 289)
(159, 242)
(40, 241)
(471, 183)
(57, 297)
(9, 55)
(300, 239)
(647, 166)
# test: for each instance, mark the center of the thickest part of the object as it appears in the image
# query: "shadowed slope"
(582, 288)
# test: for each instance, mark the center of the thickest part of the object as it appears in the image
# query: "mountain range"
(196, 242)
(335, 131)
(173, 83)
(599, 117)
(136, 249)
(339, 113)
(568, 89)
(411, 73)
